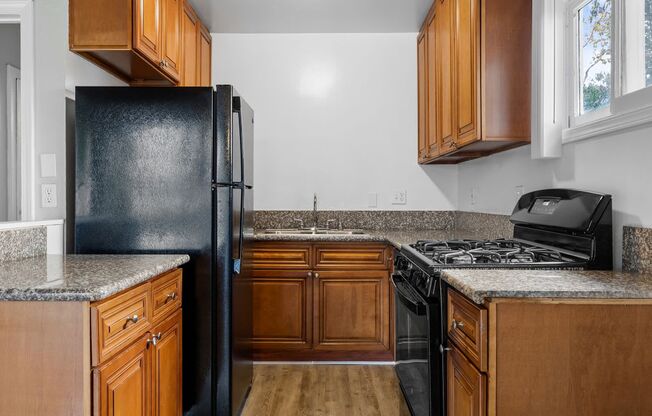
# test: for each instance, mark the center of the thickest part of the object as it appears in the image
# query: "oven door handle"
(416, 306)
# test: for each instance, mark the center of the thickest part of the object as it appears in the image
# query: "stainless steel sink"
(319, 231)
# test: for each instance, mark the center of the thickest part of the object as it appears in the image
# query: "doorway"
(10, 116)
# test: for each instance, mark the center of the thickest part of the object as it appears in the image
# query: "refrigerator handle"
(237, 262)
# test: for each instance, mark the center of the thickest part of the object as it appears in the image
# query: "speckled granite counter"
(396, 238)
(480, 285)
(79, 277)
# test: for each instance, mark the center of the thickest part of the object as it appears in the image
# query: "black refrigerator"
(170, 170)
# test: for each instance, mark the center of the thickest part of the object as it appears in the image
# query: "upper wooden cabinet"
(205, 56)
(477, 72)
(422, 67)
(142, 42)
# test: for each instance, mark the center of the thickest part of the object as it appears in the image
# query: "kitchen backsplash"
(637, 249)
(23, 242)
(486, 225)
(367, 220)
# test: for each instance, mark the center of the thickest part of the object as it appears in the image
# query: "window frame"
(625, 110)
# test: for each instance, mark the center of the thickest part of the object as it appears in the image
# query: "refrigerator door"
(144, 163)
(234, 207)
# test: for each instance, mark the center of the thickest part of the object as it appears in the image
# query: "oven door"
(415, 350)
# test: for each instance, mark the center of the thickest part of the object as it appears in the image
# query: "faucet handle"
(329, 222)
(300, 221)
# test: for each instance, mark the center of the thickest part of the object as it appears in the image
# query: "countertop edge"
(96, 294)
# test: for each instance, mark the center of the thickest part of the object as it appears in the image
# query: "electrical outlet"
(48, 195)
(474, 196)
(399, 198)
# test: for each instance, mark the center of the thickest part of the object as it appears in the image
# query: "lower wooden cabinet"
(145, 378)
(466, 386)
(352, 310)
(332, 303)
(282, 315)
(122, 385)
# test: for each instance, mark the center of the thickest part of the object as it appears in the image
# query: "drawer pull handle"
(457, 324)
(133, 319)
(170, 296)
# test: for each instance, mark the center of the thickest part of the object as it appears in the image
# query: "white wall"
(9, 54)
(619, 165)
(56, 70)
(335, 114)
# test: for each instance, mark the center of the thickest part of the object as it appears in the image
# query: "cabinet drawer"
(118, 321)
(467, 328)
(166, 294)
(351, 257)
(281, 256)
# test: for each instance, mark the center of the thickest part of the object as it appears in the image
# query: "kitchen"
(365, 161)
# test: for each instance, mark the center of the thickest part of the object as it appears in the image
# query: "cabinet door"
(444, 75)
(282, 314)
(166, 367)
(122, 385)
(466, 387)
(205, 53)
(190, 41)
(422, 68)
(352, 310)
(147, 36)
(467, 70)
(432, 88)
(171, 17)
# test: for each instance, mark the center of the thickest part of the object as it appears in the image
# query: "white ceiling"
(312, 16)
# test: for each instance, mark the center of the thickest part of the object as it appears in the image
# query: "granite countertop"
(480, 285)
(394, 237)
(80, 277)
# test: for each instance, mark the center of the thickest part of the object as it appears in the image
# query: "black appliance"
(169, 170)
(553, 229)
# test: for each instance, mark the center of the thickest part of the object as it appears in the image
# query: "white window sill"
(608, 125)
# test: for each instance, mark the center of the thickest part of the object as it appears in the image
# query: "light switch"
(48, 165)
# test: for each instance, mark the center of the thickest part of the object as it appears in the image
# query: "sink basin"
(319, 231)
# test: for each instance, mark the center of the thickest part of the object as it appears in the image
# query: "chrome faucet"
(314, 212)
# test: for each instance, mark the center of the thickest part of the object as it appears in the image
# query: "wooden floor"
(324, 390)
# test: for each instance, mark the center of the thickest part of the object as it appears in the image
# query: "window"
(610, 46)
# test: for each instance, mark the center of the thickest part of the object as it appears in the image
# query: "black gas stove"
(553, 229)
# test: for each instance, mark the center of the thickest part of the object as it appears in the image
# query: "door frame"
(22, 12)
(13, 145)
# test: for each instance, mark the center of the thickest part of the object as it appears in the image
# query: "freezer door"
(243, 142)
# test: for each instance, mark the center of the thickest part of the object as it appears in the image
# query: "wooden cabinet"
(189, 42)
(507, 356)
(142, 374)
(166, 350)
(122, 385)
(282, 315)
(352, 310)
(321, 301)
(478, 55)
(422, 68)
(142, 42)
(147, 36)
(466, 387)
(432, 144)
(205, 49)
(171, 38)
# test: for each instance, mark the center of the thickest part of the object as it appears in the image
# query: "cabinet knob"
(443, 349)
(309, 274)
(154, 340)
(457, 324)
(316, 275)
(170, 296)
(133, 319)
